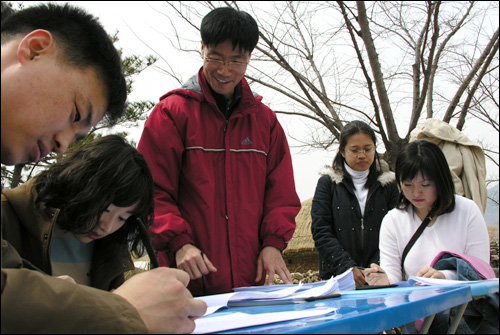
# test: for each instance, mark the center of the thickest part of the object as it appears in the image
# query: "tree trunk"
(16, 175)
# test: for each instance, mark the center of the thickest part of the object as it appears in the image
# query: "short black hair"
(6, 11)
(426, 158)
(350, 129)
(89, 179)
(85, 44)
(228, 24)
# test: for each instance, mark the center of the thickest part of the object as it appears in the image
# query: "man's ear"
(202, 49)
(34, 44)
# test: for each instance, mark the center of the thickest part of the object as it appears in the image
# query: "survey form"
(227, 321)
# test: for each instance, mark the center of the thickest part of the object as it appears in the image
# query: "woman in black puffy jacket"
(351, 199)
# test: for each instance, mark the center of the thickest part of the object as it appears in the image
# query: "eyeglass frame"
(221, 63)
(366, 152)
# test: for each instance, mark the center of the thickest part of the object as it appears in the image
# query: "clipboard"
(373, 287)
(262, 302)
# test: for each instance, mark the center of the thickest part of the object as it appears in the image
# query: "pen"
(28, 265)
(284, 301)
(333, 295)
(362, 268)
(203, 276)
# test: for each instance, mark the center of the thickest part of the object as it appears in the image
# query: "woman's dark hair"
(84, 44)
(228, 24)
(89, 179)
(426, 158)
(350, 129)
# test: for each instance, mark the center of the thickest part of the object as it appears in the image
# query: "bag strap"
(412, 242)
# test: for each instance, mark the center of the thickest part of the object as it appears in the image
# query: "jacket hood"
(337, 176)
(193, 89)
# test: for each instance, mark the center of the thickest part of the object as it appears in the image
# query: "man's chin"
(10, 160)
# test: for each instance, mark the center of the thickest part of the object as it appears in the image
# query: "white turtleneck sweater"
(359, 179)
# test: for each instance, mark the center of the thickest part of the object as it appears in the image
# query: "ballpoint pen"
(203, 276)
(283, 301)
(362, 268)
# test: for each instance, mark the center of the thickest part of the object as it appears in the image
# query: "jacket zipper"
(226, 121)
(362, 233)
(363, 220)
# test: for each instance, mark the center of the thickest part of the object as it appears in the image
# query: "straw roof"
(302, 238)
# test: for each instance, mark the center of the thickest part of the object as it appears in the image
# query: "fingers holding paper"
(271, 262)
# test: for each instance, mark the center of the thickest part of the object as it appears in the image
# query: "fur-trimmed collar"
(337, 176)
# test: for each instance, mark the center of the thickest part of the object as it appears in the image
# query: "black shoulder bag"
(412, 242)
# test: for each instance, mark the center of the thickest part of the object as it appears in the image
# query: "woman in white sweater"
(456, 223)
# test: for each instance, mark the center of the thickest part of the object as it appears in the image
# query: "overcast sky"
(145, 21)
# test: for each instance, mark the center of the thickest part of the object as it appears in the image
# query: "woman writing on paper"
(456, 223)
(351, 198)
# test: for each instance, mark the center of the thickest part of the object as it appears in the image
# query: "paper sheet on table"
(214, 323)
(345, 280)
(434, 281)
(218, 301)
(257, 294)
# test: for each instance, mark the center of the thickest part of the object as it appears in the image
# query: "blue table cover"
(367, 311)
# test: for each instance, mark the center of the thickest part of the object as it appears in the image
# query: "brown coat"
(27, 226)
(36, 303)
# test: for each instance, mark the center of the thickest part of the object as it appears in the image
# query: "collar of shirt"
(222, 102)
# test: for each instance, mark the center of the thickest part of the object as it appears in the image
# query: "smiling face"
(46, 105)
(111, 220)
(223, 78)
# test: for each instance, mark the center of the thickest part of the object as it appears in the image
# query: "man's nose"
(62, 140)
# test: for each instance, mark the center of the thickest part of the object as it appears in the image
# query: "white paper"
(345, 279)
(218, 301)
(259, 294)
(434, 281)
(228, 321)
(331, 286)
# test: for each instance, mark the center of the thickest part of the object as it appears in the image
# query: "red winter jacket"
(225, 186)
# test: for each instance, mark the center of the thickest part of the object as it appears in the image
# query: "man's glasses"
(359, 152)
(233, 66)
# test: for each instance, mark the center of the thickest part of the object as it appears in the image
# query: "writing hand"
(163, 301)
(375, 275)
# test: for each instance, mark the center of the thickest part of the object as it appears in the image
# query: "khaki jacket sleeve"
(37, 303)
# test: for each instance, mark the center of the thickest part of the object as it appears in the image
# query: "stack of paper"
(287, 294)
(281, 294)
(345, 283)
(434, 281)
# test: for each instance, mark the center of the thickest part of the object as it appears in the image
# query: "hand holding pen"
(190, 259)
(375, 275)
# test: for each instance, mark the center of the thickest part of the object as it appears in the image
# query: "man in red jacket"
(225, 201)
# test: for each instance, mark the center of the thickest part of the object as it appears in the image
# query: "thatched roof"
(302, 238)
